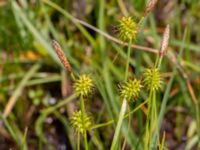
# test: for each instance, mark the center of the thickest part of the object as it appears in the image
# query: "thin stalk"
(158, 61)
(128, 61)
(78, 142)
(24, 140)
(148, 124)
(85, 140)
(103, 124)
(82, 116)
(161, 146)
(154, 122)
(119, 124)
(156, 116)
(151, 124)
(82, 106)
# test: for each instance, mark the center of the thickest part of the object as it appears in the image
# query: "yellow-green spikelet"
(83, 85)
(127, 29)
(152, 79)
(130, 90)
(80, 122)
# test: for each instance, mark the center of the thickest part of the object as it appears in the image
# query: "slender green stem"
(151, 124)
(83, 115)
(128, 61)
(82, 106)
(158, 61)
(156, 116)
(119, 124)
(103, 124)
(148, 123)
(154, 121)
(85, 140)
(24, 142)
(78, 142)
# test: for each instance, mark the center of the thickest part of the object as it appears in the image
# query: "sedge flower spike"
(152, 79)
(80, 122)
(61, 55)
(130, 90)
(127, 29)
(165, 41)
(150, 6)
(83, 85)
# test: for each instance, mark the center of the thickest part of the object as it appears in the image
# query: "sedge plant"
(130, 90)
(152, 83)
(83, 87)
(80, 120)
(128, 30)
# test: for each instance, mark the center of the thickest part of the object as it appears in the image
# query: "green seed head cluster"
(127, 29)
(130, 90)
(80, 122)
(152, 79)
(83, 85)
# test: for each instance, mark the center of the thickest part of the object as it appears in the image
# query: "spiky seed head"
(152, 79)
(130, 90)
(127, 29)
(83, 85)
(80, 122)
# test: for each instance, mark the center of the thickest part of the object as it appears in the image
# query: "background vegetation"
(35, 91)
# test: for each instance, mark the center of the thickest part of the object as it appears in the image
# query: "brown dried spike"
(150, 6)
(164, 42)
(61, 55)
